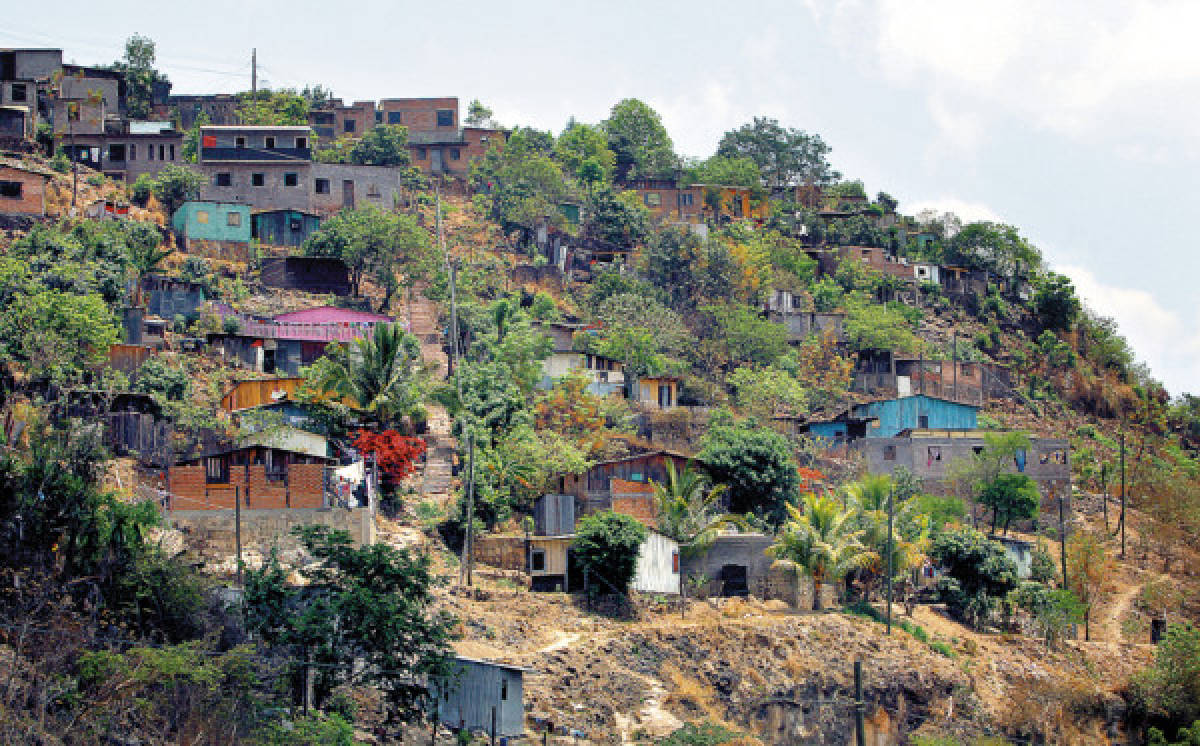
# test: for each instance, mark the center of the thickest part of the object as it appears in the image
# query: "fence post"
(860, 731)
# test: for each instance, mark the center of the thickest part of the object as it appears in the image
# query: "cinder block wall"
(264, 529)
(505, 552)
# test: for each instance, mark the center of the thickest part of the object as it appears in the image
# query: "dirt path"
(651, 720)
(561, 640)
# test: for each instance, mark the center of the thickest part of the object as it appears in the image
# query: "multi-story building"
(267, 167)
(25, 78)
(437, 141)
(335, 119)
(126, 150)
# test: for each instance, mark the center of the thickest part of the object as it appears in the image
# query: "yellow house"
(658, 392)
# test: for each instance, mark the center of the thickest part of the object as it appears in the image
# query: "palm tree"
(688, 509)
(822, 541)
(868, 498)
(377, 373)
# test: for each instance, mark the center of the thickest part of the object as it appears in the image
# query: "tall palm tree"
(688, 509)
(868, 498)
(822, 542)
(377, 373)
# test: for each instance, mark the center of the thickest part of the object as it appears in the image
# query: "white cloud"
(1124, 74)
(1162, 338)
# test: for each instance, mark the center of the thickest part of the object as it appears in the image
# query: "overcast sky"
(1075, 122)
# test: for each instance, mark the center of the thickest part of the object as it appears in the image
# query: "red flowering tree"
(395, 454)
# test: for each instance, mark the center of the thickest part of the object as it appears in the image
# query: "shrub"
(978, 572)
(141, 189)
(96, 180)
(1168, 693)
(607, 545)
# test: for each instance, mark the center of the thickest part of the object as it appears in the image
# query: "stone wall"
(214, 530)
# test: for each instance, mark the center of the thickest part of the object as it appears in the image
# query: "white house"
(657, 565)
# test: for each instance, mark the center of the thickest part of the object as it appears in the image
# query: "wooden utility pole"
(1062, 537)
(860, 729)
(254, 74)
(1122, 491)
(1104, 490)
(891, 552)
(237, 530)
(468, 550)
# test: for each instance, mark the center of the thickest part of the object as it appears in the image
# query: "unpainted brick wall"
(505, 552)
(33, 190)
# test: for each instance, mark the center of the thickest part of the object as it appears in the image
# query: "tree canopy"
(640, 142)
(784, 156)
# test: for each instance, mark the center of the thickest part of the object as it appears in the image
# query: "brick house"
(23, 188)
(336, 119)
(260, 476)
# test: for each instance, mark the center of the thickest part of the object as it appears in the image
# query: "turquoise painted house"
(917, 412)
(884, 419)
(218, 223)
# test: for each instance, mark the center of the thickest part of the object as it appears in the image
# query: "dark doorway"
(347, 193)
(268, 361)
(733, 581)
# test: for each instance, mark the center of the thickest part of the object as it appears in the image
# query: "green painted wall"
(210, 221)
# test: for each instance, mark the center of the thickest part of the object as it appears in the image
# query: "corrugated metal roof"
(330, 314)
(149, 128)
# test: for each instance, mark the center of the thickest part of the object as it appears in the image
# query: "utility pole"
(253, 74)
(468, 550)
(1104, 489)
(1062, 536)
(860, 729)
(1122, 490)
(237, 530)
(890, 551)
(954, 362)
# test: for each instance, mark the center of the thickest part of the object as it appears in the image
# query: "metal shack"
(484, 696)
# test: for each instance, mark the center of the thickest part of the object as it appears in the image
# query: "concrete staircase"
(423, 318)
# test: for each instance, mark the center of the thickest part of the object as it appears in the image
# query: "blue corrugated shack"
(483, 693)
(918, 412)
(887, 418)
(284, 227)
(218, 222)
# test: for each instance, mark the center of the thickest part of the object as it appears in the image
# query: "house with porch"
(284, 343)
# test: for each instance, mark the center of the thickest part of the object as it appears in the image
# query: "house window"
(923, 421)
(258, 179)
(11, 189)
(233, 218)
(503, 689)
(322, 186)
(301, 143)
(348, 125)
(149, 152)
(889, 453)
(202, 216)
(455, 154)
(162, 153)
(687, 199)
(373, 191)
(269, 142)
(537, 560)
(171, 150)
(18, 92)
(664, 395)
(652, 199)
(133, 152)
(239, 142)
(394, 117)
(216, 470)
(445, 117)
(291, 178)
(73, 112)
(116, 152)
(420, 154)
(224, 179)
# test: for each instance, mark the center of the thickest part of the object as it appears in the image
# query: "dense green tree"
(784, 156)
(1055, 301)
(521, 186)
(478, 115)
(755, 462)
(994, 247)
(375, 243)
(1168, 692)
(978, 572)
(639, 140)
(617, 217)
(726, 171)
(165, 381)
(58, 335)
(735, 335)
(583, 151)
(175, 185)
(281, 108)
(366, 618)
(607, 545)
(820, 539)
(1010, 496)
(140, 76)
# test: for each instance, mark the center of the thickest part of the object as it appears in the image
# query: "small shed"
(483, 696)
(284, 227)
(23, 188)
(214, 226)
(313, 274)
(659, 392)
(657, 565)
(1020, 552)
(169, 297)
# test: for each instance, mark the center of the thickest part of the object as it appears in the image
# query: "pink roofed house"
(332, 315)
